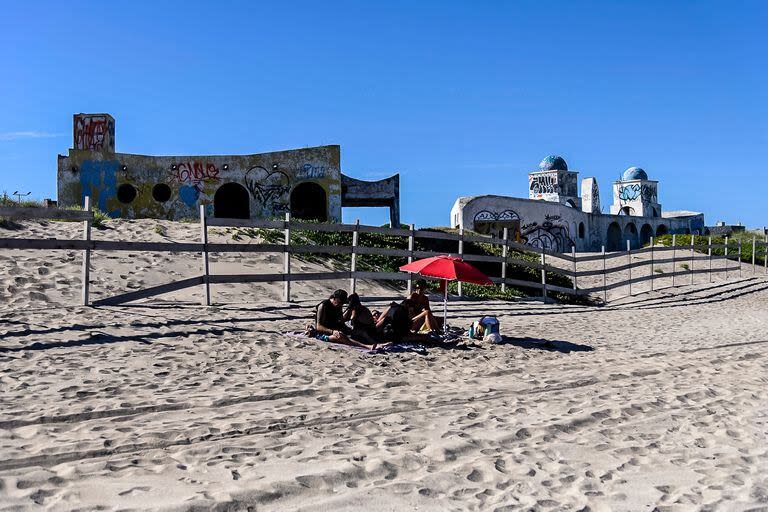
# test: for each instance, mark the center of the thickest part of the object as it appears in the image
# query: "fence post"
(652, 258)
(206, 270)
(739, 258)
(287, 259)
(605, 283)
(754, 251)
(461, 255)
(353, 263)
(709, 254)
(693, 246)
(765, 254)
(543, 275)
(726, 258)
(674, 258)
(87, 253)
(575, 277)
(411, 244)
(504, 252)
(629, 257)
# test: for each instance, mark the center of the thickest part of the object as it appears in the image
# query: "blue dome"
(634, 173)
(553, 163)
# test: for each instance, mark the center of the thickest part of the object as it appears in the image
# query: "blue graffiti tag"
(98, 179)
(189, 194)
(629, 193)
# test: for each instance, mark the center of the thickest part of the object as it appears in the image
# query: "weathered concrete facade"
(307, 182)
(555, 224)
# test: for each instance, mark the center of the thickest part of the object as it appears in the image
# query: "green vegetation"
(6, 200)
(379, 263)
(9, 224)
(685, 266)
(99, 217)
(160, 230)
(733, 244)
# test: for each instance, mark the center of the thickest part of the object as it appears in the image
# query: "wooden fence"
(548, 262)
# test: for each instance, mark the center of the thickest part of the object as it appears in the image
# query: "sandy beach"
(655, 402)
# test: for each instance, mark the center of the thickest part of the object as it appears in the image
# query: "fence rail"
(548, 262)
(20, 212)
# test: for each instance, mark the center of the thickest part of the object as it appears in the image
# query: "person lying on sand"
(422, 318)
(329, 322)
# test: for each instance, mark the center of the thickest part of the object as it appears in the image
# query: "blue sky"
(461, 98)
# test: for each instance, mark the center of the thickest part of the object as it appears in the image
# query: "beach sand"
(655, 402)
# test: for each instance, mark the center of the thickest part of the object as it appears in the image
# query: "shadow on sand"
(564, 347)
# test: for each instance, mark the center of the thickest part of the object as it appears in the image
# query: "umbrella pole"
(445, 306)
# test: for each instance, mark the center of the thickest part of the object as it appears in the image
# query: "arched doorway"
(627, 210)
(309, 202)
(646, 232)
(630, 235)
(493, 223)
(613, 240)
(232, 201)
(661, 230)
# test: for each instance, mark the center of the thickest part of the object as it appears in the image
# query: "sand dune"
(656, 402)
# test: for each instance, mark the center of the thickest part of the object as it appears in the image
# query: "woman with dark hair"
(363, 322)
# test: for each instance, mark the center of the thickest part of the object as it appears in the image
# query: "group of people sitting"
(356, 325)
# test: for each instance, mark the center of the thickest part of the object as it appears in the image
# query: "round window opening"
(161, 192)
(126, 193)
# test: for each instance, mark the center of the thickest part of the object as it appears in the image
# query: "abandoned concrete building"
(307, 182)
(555, 217)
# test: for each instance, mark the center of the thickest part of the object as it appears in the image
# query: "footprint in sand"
(134, 490)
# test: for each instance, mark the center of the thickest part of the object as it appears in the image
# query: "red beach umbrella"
(447, 268)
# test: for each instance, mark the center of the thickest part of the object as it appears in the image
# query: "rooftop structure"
(307, 182)
(555, 217)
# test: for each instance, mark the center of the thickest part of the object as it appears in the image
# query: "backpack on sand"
(486, 329)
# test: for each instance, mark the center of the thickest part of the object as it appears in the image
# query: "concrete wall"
(381, 193)
(269, 179)
(558, 227)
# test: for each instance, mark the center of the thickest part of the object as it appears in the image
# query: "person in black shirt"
(329, 321)
(363, 321)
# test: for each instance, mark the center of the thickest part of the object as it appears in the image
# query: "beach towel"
(390, 348)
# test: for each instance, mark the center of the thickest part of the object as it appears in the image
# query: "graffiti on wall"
(193, 176)
(309, 171)
(194, 173)
(590, 198)
(542, 183)
(92, 132)
(269, 188)
(568, 186)
(489, 216)
(649, 194)
(98, 179)
(635, 191)
(629, 192)
(189, 194)
(553, 234)
(595, 199)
